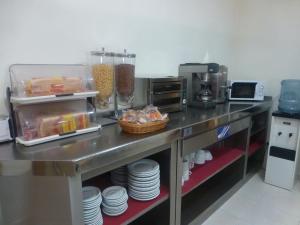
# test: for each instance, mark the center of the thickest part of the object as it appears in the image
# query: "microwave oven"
(251, 90)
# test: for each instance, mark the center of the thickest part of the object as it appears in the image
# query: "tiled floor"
(257, 203)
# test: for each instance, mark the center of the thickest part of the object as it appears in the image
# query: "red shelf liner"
(135, 208)
(254, 147)
(221, 158)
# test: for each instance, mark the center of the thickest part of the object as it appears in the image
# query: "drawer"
(285, 132)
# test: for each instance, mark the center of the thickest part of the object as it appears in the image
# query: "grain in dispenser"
(125, 75)
(102, 69)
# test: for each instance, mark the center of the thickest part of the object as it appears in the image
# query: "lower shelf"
(203, 200)
(200, 173)
(136, 209)
(254, 147)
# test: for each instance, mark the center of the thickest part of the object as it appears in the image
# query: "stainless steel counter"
(29, 174)
(85, 152)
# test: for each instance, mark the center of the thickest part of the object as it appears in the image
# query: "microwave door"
(240, 90)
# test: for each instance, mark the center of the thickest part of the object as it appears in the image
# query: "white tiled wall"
(163, 34)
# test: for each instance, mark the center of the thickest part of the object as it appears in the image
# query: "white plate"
(96, 219)
(93, 218)
(116, 202)
(139, 198)
(95, 201)
(90, 193)
(115, 208)
(91, 213)
(114, 214)
(144, 195)
(90, 207)
(144, 174)
(139, 193)
(114, 192)
(143, 179)
(144, 190)
(92, 203)
(144, 184)
(143, 166)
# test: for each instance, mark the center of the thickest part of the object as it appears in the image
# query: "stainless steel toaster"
(167, 93)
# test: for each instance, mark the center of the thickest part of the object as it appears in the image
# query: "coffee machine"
(206, 84)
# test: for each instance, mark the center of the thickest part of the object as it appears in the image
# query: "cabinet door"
(280, 172)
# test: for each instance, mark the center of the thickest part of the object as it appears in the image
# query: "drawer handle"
(290, 135)
(287, 123)
(279, 133)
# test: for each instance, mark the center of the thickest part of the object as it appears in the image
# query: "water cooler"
(283, 150)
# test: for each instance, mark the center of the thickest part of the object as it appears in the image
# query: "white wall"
(267, 43)
(163, 34)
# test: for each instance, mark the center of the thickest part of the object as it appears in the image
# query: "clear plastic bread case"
(39, 123)
(34, 83)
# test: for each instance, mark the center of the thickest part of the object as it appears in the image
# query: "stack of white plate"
(144, 180)
(119, 176)
(114, 200)
(91, 206)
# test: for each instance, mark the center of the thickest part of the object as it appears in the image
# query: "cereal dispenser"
(125, 75)
(102, 69)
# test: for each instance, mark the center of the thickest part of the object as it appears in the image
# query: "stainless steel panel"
(208, 138)
(120, 160)
(199, 142)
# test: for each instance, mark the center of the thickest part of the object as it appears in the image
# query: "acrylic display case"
(39, 123)
(35, 83)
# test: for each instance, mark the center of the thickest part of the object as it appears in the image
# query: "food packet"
(148, 114)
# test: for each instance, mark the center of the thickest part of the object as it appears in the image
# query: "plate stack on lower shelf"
(144, 180)
(114, 201)
(91, 206)
(119, 176)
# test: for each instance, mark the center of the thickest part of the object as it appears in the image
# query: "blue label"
(187, 131)
(223, 132)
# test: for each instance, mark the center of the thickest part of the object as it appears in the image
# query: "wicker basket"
(134, 128)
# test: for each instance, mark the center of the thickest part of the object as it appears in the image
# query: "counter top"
(76, 152)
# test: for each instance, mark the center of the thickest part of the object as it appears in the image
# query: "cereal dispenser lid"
(131, 55)
(102, 53)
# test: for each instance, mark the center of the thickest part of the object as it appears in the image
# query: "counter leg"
(178, 184)
(75, 187)
(173, 182)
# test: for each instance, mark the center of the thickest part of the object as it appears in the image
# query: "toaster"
(5, 129)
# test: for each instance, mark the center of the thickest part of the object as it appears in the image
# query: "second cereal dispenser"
(125, 75)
